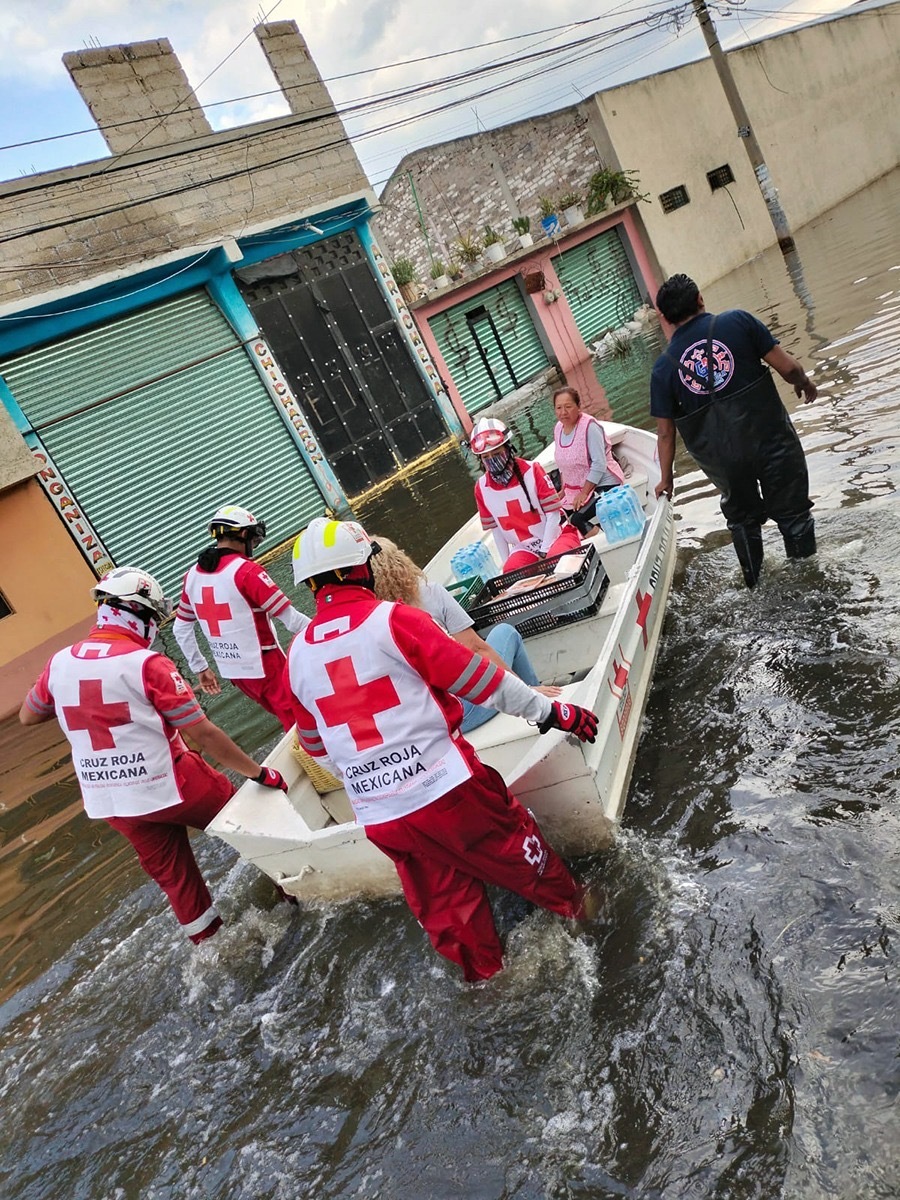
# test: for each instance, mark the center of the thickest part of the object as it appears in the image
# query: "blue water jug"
(631, 507)
(474, 559)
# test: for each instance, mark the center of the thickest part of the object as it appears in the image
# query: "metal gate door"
(156, 419)
(599, 284)
(489, 344)
(337, 342)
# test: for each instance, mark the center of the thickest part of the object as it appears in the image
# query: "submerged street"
(728, 1027)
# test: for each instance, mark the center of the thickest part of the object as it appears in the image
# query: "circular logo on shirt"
(693, 372)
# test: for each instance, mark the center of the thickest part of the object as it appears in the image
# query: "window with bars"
(720, 177)
(676, 197)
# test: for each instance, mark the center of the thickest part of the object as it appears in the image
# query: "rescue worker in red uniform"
(123, 709)
(517, 501)
(234, 600)
(376, 687)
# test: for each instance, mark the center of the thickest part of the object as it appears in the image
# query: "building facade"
(204, 318)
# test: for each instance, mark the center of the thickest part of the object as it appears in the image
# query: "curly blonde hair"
(396, 575)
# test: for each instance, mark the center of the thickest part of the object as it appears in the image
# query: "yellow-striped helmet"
(329, 546)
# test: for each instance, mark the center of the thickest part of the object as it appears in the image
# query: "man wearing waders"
(732, 420)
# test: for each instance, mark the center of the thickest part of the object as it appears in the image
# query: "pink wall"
(552, 314)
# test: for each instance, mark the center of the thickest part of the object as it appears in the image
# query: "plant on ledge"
(491, 236)
(469, 247)
(547, 206)
(569, 200)
(404, 270)
(438, 269)
(615, 186)
(521, 224)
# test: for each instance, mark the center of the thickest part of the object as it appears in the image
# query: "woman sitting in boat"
(397, 578)
(584, 458)
(517, 501)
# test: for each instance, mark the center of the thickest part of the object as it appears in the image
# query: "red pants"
(164, 849)
(569, 539)
(445, 853)
(272, 691)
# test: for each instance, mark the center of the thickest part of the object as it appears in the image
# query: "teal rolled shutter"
(599, 284)
(465, 344)
(157, 419)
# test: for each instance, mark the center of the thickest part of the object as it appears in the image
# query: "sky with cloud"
(368, 51)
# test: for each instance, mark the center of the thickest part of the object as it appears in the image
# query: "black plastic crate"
(575, 592)
(548, 621)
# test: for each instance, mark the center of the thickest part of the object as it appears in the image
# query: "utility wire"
(553, 29)
(581, 47)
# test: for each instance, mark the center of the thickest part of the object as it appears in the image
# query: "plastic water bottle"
(631, 508)
(484, 561)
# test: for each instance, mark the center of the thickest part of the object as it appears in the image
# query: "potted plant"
(494, 249)
(522, 226)
(439, 274)
(406, 276)
(549, 219)
(469, 248)
(454, 270)
(570, 205)
(616, 186)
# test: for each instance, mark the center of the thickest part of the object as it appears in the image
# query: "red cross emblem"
(519, 520)
(643, 602)
(211, 614)
(92, 714)
(356, 704)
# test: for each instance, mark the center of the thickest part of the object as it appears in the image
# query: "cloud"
(214, 42)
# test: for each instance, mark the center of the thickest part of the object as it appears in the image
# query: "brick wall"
(460, 191)
(64, 227)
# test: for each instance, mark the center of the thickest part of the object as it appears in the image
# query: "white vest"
(506, 505)
(377, 717)
(120, 747)
(228, 620)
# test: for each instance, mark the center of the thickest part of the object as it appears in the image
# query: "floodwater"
(729, 1029)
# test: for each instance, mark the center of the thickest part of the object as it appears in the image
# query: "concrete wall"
(16, 461)
(825, 105)
(64, 227)
(486, 179)
(46, 583)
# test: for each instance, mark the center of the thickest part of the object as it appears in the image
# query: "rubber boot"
(802, 545)
(748, 546)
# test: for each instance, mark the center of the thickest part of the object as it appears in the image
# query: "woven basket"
(323, 781)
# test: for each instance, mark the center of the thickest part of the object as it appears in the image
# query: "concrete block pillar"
(138, 94)
(292, 65)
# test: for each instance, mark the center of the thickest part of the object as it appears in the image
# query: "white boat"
(309, 843)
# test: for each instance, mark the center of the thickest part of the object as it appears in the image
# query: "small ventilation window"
(676, 197)
(5, 610)
(720, 177)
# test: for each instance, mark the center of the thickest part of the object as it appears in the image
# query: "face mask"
(500, 466)
(132, 622)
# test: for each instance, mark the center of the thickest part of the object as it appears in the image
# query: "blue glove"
(571, 719)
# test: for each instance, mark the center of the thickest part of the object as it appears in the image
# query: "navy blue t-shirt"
(678, 383)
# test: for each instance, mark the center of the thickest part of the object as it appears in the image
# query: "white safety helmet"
(326, 545)
(488, 436)
(233, 520)
(130, 586)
